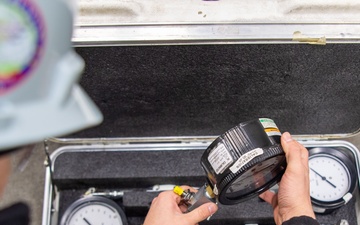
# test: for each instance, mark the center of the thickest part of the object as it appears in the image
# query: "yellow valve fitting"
(178, 190)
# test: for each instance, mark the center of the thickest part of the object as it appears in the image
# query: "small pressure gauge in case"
(93, 210)
(333, 178)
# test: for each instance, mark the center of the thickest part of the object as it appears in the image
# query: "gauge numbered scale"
(94, 210)
(332, 179)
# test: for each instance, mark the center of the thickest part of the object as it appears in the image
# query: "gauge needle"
(86, 221)
(323, 178)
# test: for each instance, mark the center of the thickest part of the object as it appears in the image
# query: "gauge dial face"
(329, 178)
(94, 211)
(254, 178)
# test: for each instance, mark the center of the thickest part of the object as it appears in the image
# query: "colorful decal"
(21, 41)
(270, 127)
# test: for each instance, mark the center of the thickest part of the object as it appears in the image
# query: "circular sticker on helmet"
(21, 41)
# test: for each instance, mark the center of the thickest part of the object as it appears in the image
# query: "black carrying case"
(189, 94)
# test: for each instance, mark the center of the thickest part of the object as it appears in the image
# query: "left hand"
(165, 210)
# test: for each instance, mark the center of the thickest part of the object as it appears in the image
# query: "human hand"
(293, 197)
(165, 210)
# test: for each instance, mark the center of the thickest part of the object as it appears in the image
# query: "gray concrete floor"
(28, 185)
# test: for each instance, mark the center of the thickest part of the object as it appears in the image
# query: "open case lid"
(140, 22)
(198, 68)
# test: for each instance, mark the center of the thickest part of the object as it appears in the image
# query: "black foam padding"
(128, 169)
(136, 205)
(246, 212)
(207, 89)
(251, 211)
(138, 202)
(136, 171)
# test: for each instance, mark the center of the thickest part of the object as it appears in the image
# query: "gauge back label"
(244, 159)
(270, 127)
(220, 158)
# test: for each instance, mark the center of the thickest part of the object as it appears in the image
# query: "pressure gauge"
(332, 179)
(245, 161)
(94, 210)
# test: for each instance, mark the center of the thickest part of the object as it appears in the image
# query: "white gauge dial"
(94, 210)
(329, 178)
(95, 213)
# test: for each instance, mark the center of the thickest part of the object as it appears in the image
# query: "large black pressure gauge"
(245, 161)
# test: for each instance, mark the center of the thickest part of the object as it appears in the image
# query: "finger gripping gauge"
(244, 161)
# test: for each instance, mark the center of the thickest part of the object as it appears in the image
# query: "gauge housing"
(245, 161)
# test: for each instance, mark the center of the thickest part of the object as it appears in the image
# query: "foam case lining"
(135, 171)
(200, 90)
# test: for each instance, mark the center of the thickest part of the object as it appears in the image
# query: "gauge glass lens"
(254, 178)
(95, 213)
(329, 178)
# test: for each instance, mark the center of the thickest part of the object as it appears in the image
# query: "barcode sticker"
(245, 158)
(220, 158)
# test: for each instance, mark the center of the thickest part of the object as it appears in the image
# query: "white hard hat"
(39, 71)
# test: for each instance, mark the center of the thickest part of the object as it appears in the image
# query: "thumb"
(296, 154)
(201, 213)
(287, 142)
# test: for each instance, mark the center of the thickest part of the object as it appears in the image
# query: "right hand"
(293, 197)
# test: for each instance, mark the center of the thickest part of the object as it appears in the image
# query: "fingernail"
(212, 208)
(287, 137)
